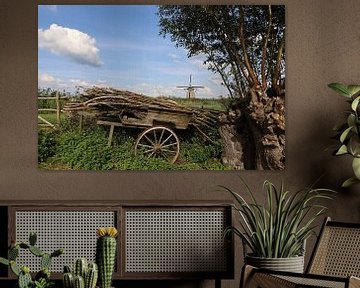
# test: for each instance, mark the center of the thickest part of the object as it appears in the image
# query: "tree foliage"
(244, 44)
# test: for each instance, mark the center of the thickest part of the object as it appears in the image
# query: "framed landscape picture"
(173, 87)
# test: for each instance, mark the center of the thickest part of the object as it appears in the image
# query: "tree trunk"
(267, 122)
(254, 133)
(233, 154)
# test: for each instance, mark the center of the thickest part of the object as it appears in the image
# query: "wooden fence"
(56, 110)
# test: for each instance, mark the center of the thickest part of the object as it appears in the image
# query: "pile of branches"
(111, 104)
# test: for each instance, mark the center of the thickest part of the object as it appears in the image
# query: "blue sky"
(116, 46)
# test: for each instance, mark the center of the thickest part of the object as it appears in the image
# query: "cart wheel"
(158, 142)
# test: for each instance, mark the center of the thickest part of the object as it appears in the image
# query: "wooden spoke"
(148, 151)
(151, 154)
(146, 146)
(161, 135)
(167, 139)
(158, 142)
(147, 138)
(168, 145)
(155, 138)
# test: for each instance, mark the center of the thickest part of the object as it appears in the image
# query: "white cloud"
(52, 8)
(79, 82)
(153, 90)
(71, 43)
(160, 90)
(175, 58)
(207, 92)
(46, 80)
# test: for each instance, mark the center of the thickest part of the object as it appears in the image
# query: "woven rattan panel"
(338, 253)
(175, 241)
(75, 231)
(312, 282)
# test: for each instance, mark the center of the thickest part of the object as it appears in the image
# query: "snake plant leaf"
(341, 89)
(349, 182)
(342, 150)
(278, 228)
(356, 167)
(345, 134)
(355, 103)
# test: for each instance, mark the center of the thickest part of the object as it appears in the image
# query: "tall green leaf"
(340, 88)
(349, 182)
(342, 150)
(356, 167)
(355, 103)
(354, 90)
(345, 134)
(279, 228)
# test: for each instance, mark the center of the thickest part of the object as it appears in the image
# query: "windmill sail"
(190, 89)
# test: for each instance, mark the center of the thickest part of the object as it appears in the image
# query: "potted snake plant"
(348, 133)
(274, 234)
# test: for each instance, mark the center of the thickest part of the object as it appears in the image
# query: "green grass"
(215, 104)
(51, 117)
(69, 148)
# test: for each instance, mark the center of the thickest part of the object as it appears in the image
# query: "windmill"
(190, 89)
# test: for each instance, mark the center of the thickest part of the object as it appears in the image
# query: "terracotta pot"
(291, 264)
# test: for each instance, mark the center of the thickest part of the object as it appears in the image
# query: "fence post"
(58, 107)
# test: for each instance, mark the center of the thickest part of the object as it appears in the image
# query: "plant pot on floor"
(290, 264)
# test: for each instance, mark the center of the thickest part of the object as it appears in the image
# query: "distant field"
(216, 104)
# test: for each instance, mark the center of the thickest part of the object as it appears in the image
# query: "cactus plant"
(32, 239)
(24, 277)
(84, 274)
(79, 282)
(80, 268)
(105, 254)
(68, 280)
(91, 275)
(42, 278)
(45, 261)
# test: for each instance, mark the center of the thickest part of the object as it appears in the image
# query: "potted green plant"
(42, 278)
(275, 233)
(84, 274)
(349, 132)
(106, 254)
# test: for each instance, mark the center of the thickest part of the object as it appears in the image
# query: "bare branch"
(264, 52)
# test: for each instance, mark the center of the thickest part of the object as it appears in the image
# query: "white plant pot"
(291, 264)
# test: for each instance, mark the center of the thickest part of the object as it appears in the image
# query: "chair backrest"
(337, 251)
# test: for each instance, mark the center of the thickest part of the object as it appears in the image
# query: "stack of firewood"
(111, 104)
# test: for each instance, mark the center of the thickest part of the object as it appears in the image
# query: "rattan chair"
(334, 263)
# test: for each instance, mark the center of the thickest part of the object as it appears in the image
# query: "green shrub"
(197, 151)
(88, 150)
(47, 144)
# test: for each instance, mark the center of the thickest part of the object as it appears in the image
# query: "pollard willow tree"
(245, 45)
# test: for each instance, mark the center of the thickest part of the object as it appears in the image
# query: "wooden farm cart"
(158, 139)
(158, 117)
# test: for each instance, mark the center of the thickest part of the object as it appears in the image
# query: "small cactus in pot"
(85, 275)
(106, 254)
